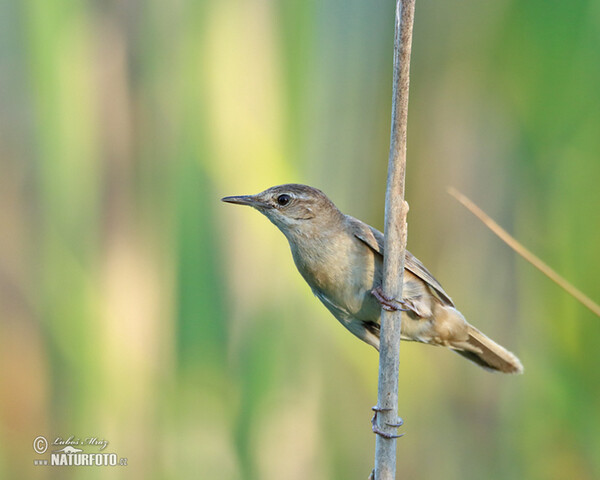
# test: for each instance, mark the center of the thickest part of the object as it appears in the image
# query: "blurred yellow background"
(137, 308)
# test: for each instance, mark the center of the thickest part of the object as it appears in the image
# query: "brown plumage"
(341, 258)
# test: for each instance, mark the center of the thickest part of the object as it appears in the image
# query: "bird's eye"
(283, 199)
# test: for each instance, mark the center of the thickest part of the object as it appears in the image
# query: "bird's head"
(293, 208)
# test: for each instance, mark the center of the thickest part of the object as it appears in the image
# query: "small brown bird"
(341, 259)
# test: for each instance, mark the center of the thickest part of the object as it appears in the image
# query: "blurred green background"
(137, 308)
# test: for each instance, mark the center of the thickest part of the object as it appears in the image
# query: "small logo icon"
(40, 445)
(69, 449)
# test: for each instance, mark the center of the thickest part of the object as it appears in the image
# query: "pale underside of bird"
(341, 259)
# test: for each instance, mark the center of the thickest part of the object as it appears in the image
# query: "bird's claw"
(389, 304)
(396, 425)
(380, 432)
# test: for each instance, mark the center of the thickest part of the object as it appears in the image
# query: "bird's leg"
(389, 304)
(378, 431)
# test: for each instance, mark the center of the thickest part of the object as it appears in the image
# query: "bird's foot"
(389, 304)
(380, 432)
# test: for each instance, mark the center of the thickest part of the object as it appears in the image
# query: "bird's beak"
(249, 200)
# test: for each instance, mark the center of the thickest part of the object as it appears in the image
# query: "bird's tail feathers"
(486, 353)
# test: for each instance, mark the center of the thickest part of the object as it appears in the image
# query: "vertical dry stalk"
(396, 210)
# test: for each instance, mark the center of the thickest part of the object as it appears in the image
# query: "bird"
(341, 259)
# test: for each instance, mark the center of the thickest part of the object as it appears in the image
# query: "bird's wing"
(373, 238)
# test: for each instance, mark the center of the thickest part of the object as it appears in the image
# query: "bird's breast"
(343, 270)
